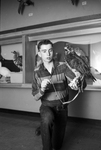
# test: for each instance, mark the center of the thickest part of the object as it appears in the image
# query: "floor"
(17, 132)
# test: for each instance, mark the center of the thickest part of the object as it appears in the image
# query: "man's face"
(46, 52)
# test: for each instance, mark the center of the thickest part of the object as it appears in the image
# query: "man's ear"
(39, 54)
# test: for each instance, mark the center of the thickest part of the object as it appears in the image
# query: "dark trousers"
(53, 125)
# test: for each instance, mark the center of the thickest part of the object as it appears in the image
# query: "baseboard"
(25, 114)
(17, 112)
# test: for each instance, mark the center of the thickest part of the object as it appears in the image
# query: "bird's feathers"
(79, 62)
(4, 71)
(21, 7)
(75, 58)
(29, 2)
(22, 4)
(75, 2)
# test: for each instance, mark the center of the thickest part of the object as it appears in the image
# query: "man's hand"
(74, 84)
(78, 83)
(44, 84)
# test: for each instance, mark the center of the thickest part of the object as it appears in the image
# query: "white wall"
(45, 11)
(18, 99)
(87, 105)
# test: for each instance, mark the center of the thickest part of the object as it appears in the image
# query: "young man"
(50, 85)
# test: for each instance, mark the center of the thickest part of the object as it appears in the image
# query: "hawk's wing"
(21, 7)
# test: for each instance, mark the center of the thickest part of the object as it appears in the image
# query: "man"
(50, 85)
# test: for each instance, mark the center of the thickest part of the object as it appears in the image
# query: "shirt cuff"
(41, 92)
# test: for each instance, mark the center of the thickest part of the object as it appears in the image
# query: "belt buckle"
(58, 108)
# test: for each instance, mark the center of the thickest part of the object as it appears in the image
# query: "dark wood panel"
(29, 60)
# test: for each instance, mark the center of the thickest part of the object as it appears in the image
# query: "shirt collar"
(55, 62)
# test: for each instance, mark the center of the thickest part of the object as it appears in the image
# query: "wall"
(18, 99)
(88, 103)
(44, 11)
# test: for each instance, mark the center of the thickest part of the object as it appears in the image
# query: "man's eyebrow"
(43, 49)
(46, 49)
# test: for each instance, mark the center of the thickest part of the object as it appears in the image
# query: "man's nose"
(48, 52)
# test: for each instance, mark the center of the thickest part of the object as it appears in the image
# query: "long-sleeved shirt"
(60, 77)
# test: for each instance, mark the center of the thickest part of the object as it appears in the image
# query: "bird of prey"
(17, 58)
(76, 59)
(22, 4)
(75, 2)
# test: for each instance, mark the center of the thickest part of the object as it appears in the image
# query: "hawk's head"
(68, 49)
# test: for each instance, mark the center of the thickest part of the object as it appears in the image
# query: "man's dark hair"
(44, 42)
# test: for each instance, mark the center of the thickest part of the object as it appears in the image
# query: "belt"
(62, 107)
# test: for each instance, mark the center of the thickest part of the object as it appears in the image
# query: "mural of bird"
(22, 4)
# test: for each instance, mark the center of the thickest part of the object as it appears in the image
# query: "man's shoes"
(38, 131)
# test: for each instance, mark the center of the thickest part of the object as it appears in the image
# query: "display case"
(85, 35)
(17, 61)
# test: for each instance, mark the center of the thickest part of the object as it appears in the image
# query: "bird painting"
(23, 4)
